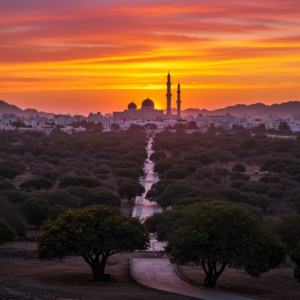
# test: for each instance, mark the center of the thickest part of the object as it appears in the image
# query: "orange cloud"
(124, 49)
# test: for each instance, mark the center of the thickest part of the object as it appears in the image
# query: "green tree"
(239, 168)
(176, 172)
(273, 193)
(239, 176)
(7, 233)
(103, 196)
(288, 230)
(233, 195)
(130, 189)
(156, 156)
(162, 166)
(9, 173)
(94, 233)
(225, 158)
(36, 211)
(220, 235)
(79, 181)
(48, 175)
(6, 185)
(284, 126)
(278, 168)
(36, 184)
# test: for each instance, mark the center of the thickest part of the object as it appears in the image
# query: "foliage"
(7, 233)
(95, 233)
(36, 211)
(6, 185)
(239, 168)
(36, 184)
(11, 213)
(213, 235)
(288, 230)
(79, 181)
(130, 189)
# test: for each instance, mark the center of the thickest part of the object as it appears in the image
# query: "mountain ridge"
(238, 110)
(6, 108)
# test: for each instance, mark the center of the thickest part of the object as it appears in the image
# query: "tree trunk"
(212, 274)
(98, 272)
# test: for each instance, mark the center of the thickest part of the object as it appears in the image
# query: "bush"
(7, 233)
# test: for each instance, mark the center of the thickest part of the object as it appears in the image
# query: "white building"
(9, 118)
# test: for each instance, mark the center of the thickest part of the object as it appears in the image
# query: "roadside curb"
(222, 291)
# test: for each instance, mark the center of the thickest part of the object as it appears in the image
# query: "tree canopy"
(94, 233)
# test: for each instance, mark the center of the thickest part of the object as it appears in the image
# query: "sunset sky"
(88, 56)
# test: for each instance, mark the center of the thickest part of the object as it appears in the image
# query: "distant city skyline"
(85, 56)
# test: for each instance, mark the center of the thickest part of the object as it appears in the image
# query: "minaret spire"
(169, 95)
(178, 102)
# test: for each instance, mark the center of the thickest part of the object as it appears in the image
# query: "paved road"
(160, 274)
(142, 207)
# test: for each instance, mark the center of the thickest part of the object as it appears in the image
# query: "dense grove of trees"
(42, 176)
(204, 171)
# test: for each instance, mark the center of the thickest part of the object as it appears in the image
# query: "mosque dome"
(132, 105)
(148, 103)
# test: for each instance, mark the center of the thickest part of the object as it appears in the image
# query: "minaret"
(178, 103)
(169, 96)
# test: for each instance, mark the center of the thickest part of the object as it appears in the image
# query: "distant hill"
(6, 108)
(258, 109)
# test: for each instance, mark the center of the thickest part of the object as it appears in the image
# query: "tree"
(79, 181)
(278, 168)
(175, 173)
(288, 230)
(264, 202)
(155, 156)
(239, 168)
(239, 176)
(36, 184)
(129, 173)
(295, 256)
(36, 211)
(115, 126)
(217, 234)
(10, 212)
(9, 173)
(94, 233)
(7, 233)
(284, 126)
(62, 198)
(273, 193)
(233, 195)
(162, 166)
(6, 185)
(130, 189)
(225, 158)
(103, 196)
(48, 175)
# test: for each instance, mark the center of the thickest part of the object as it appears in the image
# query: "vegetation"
(91, 233)
(217, 235)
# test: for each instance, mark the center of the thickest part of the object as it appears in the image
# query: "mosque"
(148, 113)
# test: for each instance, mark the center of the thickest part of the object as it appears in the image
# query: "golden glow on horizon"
(95, 48)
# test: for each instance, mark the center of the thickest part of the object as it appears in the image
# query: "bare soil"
(70, 278)
(278, 284)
